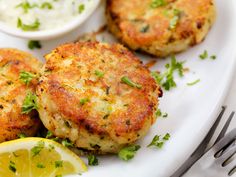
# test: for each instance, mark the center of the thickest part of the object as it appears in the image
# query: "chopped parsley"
(34, 45)
(59, 164)
(175, 19)
(46, 5)
(159, 113)
(49, 134)
(158, 142)
(157, 3)
(98, 73)
(26, 6)
(83, 101)
(92, 160)
(128, 152)
(26, 77)
(204, 55)
(81, 8)
(67, 143)
(21, 135)
(144, 29)
(29, 103)
(127, 81)
(12, 166)
(37, 149)
(194, 82)
(28, 27)
(166, 79)
(40, 165)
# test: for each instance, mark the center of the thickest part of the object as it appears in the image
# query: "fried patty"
(99, 96)
(13, 92)
(160, 27)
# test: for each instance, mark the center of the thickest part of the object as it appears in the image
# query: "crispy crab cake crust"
(13, 92)
(151, 29)
(96, 112)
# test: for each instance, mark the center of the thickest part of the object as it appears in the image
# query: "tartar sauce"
(39, 15)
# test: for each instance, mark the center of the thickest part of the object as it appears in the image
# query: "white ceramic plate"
(191, 110)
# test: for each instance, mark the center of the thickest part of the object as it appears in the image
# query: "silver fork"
(219, 161)
(205, 144)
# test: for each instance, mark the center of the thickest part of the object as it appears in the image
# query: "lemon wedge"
(38, 157)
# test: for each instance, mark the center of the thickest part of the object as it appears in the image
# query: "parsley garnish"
(26, 6)
(58, 164)
(159, 113)
(26, 77)
(81, 8)
(83, 101)
(46, 5)
(67, 143)
(144, 29)
(38, 148)
(12, 166)
(21, 135)
(194, 82)
(92, 160)
(157, 3)
(29, 103)
(128, 152)
(40, 165)
(127, 81)
(158, 142)
(98, 73)
(204, 55)
(166, 79)
(34, 45)
(49, 134)
(175, 19)
(28, 27)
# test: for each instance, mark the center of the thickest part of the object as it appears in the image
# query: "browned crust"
(115, 61)
(12, 93)
(125, 19)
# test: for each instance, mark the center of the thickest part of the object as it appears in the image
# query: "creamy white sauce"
(62, 12)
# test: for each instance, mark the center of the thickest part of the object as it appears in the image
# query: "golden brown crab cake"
(13, 92)
(160, 27)
(99, 96)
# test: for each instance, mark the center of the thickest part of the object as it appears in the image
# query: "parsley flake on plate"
(158, 142)
(34, 45)
(128, 152)
(166, 79)
(194, 82)
(92, 160)
(29, 103)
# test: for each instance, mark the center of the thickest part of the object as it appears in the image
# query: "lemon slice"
(38, 157)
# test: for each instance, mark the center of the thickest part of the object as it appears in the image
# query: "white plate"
(191, 110)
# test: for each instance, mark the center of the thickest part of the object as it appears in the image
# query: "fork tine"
(226, 140)
(230, 167)
(224, 129)
(227, 155)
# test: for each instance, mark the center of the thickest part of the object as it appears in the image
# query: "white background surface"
(191, 110)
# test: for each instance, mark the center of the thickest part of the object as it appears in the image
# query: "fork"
(219, 161)
(203, 147)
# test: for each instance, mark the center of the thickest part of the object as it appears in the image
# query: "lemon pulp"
(43, 158)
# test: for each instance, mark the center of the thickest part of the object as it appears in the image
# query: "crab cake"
(99, 96)
(161, 27)
(13, 92)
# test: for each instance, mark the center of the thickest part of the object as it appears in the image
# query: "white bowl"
(52, 33)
